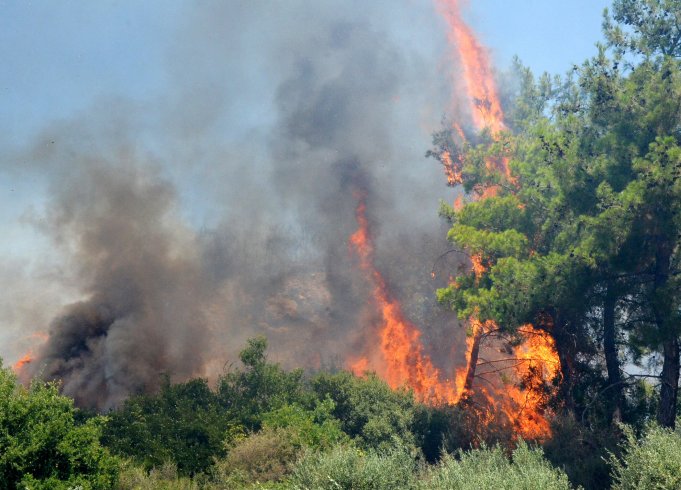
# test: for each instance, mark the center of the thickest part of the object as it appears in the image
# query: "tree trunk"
(472, 362)
(612, 362)
(669, 378)
(669, 388)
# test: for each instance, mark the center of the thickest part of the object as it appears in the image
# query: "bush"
(654, 461)
(350, 468)
(582, 452)
(183, 424)
(314, 429)
(267, 456)
(42, 446)
(163, 478)
(260, 387)
(491, 469)
(376, 416)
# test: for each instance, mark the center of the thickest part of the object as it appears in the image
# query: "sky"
(59, 56)
(193, 82)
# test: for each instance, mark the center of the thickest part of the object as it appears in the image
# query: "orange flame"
(479, 80)
(452, 172)
(477, 70)
(536, 361)
(533, 365)
(403, 361)
(540, 366)
(19, 365)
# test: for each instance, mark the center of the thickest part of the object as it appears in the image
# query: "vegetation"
(345, 441)
(653, 461)
(42, 446)
(491, 468)
(581, 239)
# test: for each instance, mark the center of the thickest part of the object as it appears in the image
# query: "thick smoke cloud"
(222, 208)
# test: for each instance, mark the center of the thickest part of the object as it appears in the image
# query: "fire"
(19, 365)
(477, 69)
(478, 265)
(535, 361)
(403, 361)
(452, 172)
(538, 367)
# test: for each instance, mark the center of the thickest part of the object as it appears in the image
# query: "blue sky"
(59, 56)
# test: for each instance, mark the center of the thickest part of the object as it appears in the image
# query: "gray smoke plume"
(222, 209)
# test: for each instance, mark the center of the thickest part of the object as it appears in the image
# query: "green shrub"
(133, 477)
(581, 451)
(260, 387)
(316, 429)
(482, 469)
(651, 462)
(266, 456)
(372, 413)
(42, 446)
(350, 468)
(183, 424)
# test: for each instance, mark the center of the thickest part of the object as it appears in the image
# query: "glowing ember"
(403, 362)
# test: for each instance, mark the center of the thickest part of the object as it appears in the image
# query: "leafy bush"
(315, 429)
(134, 477)
(259, 388)
(582, 452)
(268, 455)
(651, 462)
(377, 416)
(183, 424)
(42, 446)
(350, 468)
(481, 469)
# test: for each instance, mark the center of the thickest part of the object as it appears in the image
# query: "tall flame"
(477, 69)
(535, 361)
(403, 361)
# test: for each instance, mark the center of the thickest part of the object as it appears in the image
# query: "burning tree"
(580, 236)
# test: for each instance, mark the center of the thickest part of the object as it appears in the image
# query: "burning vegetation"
(556, 265)
(111, 345)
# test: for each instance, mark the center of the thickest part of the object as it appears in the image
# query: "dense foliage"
(653, 461)
(42, 446)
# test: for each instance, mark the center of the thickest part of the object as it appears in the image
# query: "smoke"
(221, 208)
